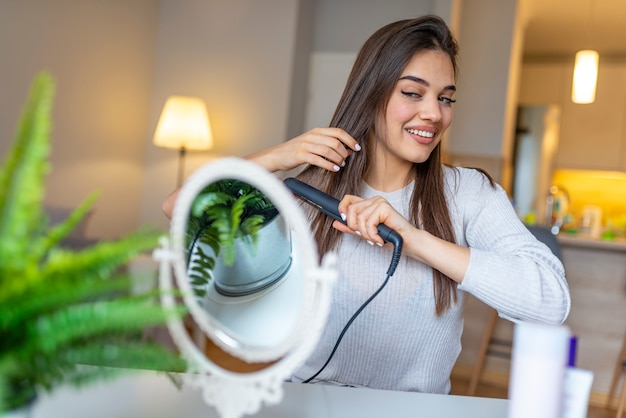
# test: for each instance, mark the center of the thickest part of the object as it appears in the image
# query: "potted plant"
(66, 316)
(230, 221)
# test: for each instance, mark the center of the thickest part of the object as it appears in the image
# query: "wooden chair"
(490, 346)
(620, 372)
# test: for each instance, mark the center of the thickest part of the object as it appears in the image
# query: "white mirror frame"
(234, 394)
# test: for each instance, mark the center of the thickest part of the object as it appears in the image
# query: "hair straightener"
(330, 206)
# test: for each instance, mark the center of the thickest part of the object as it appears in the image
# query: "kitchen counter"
(616, 244)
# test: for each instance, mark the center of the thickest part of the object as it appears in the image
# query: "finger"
(342, 228)
(342, 136)
(345, 203)
(330, 149)
(321, 150)
(364, 216)
(374, 215)
(321, 162)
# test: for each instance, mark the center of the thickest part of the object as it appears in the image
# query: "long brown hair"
(376, 70)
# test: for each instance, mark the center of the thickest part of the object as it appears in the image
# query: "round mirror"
(248, 271)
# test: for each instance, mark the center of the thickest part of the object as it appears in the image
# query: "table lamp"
(183, 125)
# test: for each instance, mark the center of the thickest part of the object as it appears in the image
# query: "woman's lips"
(422, 136)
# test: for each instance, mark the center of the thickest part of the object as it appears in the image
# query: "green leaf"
(49, 332)
(22, 178)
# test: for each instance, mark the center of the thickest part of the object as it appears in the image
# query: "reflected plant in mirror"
(231, 219)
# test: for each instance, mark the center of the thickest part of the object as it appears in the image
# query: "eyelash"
(442, 99)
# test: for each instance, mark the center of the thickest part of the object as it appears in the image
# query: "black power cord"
(345, 328)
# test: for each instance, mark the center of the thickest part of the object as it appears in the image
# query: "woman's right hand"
(327, 148)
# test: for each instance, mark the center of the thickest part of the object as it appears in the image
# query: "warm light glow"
(184, 123)
(585, 77)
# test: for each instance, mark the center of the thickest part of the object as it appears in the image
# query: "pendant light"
(585, 76)
(585, 72)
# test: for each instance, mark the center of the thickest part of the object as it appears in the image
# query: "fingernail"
(370, 242)
(379, 244)
(357, 147)
(343, 163)
(336, 168)
(343, 216)
(358, 233)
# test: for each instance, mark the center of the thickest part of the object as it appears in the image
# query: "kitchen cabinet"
(592, 136)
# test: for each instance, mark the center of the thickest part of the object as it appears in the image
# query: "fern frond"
(101, 259)
(22, 175)
(56, 296)
(61, 230)
(97, 261)
(49, 332)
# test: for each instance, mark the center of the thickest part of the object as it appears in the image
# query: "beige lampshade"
(184, 124)
(585, 77)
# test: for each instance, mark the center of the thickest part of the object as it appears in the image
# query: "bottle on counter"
(591, 221)
(557, 208)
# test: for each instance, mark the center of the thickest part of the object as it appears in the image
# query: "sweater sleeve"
(509, 268)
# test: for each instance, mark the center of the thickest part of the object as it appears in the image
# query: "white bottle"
(538, 364)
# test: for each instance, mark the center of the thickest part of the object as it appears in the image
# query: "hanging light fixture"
(585, 77)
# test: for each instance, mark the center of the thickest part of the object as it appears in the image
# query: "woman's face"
(419, 110)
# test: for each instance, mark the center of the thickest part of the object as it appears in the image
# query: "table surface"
(148, 394)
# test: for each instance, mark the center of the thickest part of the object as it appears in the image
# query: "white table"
(147, 394)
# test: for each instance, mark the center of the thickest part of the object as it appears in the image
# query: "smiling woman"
(381, 158)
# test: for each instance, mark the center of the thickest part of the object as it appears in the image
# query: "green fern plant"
(62, 309)
(222, 212)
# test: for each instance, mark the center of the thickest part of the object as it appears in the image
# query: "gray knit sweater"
(397, 342)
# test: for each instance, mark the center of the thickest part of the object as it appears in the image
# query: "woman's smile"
(424, 136)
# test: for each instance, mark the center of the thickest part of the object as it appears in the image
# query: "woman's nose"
(430, 109)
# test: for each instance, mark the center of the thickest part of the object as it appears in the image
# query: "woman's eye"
(447, 100)
(411, 94)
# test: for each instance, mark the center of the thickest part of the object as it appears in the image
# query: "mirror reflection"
(231, 220)
(242, 264)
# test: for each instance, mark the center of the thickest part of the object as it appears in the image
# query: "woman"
(381, 156)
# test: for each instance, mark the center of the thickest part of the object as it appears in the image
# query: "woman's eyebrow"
(426, 83)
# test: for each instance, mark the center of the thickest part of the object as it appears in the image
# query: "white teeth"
(421, 133)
